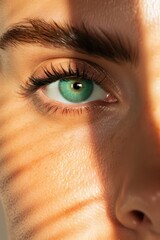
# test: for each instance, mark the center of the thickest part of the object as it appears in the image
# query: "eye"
(74, 91)
(71, 86)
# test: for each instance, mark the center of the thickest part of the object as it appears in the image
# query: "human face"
(80, 170)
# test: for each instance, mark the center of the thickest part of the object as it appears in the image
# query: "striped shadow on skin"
(3, 227)
(40, 227)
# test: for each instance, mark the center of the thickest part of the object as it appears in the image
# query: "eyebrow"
(111, 46)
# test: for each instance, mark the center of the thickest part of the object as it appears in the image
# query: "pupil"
(77, 85)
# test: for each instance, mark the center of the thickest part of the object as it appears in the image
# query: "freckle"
(134, 222)
(153, 199)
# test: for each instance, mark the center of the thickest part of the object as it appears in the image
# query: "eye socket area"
(71, 85)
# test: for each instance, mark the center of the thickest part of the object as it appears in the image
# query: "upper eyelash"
(54, 75)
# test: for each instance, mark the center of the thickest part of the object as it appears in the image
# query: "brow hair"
(84, 39)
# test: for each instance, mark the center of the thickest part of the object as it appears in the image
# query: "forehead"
(127, 17)
(98, 12)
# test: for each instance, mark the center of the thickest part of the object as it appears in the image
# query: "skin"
(83, 176)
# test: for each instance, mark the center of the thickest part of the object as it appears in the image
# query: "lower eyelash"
(51, 108)
(65, 111)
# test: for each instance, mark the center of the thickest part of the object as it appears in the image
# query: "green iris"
(76, 90)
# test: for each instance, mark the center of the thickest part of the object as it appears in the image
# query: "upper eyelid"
(44, 68)
(68, 58)
(35, 82)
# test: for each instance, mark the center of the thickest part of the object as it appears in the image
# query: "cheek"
(51, 172)
(45, 169)
(31, 149)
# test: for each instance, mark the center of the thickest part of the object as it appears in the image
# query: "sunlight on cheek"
(151, 11)
(155, 99)
(150, 49)
(153, 82)
(45, 164)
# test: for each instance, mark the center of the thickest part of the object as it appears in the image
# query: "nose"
(138, 201)
(138, 204)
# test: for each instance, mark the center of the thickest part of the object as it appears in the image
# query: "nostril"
(139, 217)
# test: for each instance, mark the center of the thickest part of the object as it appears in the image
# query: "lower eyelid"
(54, 109)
